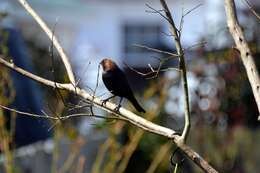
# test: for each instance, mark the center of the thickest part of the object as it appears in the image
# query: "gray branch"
(245, 53)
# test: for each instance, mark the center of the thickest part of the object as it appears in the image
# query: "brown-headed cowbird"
(116, 82)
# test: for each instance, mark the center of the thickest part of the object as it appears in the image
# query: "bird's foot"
(104, 102)
(117, 108)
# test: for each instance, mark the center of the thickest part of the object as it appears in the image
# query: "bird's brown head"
(108, 64)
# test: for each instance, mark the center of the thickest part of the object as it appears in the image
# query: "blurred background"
(224, 128)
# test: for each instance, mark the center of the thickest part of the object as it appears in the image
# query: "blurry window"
(144, 34)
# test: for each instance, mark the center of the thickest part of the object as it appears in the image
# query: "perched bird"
(116, 82)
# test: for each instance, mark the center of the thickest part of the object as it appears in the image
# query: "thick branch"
(110, 107)
(52, 37)
(124, 113)
(183, 69)
(129, 116)
(195, 157)
(245, 53)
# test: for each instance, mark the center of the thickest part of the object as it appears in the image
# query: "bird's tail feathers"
(136, 104)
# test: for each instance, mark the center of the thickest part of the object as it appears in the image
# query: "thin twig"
(79, 106)
(94, 93)
(181, 21)
(56, 43)
(153, 73)
(156, 50)
(84, 71)
(61, 118)
(28, 114)
(153, 10)
(185, 14)
(252, 9)
(53, 67)
(195, 45)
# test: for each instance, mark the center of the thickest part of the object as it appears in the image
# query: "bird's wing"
(116, 82)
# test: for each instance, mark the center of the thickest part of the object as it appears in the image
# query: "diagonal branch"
(156, 50)
(245, 53)
(53, 38)
(110, 107)
(249, 5)
(122, 113)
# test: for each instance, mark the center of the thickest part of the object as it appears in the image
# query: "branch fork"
(125, 114)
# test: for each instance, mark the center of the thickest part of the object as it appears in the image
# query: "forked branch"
(52, 37)
(110, 107)
(176, 36)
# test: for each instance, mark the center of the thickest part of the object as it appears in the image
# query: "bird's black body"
(116, 82)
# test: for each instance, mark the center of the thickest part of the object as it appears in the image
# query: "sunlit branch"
(109, 107)
(243, 47)
(49, 33)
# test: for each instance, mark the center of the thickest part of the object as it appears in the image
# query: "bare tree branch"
(110, 107)
(50, 35)
(154, 72)
(195, 157)
(59, 118)
(249, 5)
(245, 53)
(180, 52)
(185, 14)
(195, 45)
(156, 50)
(186, 150)
(160, 12)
